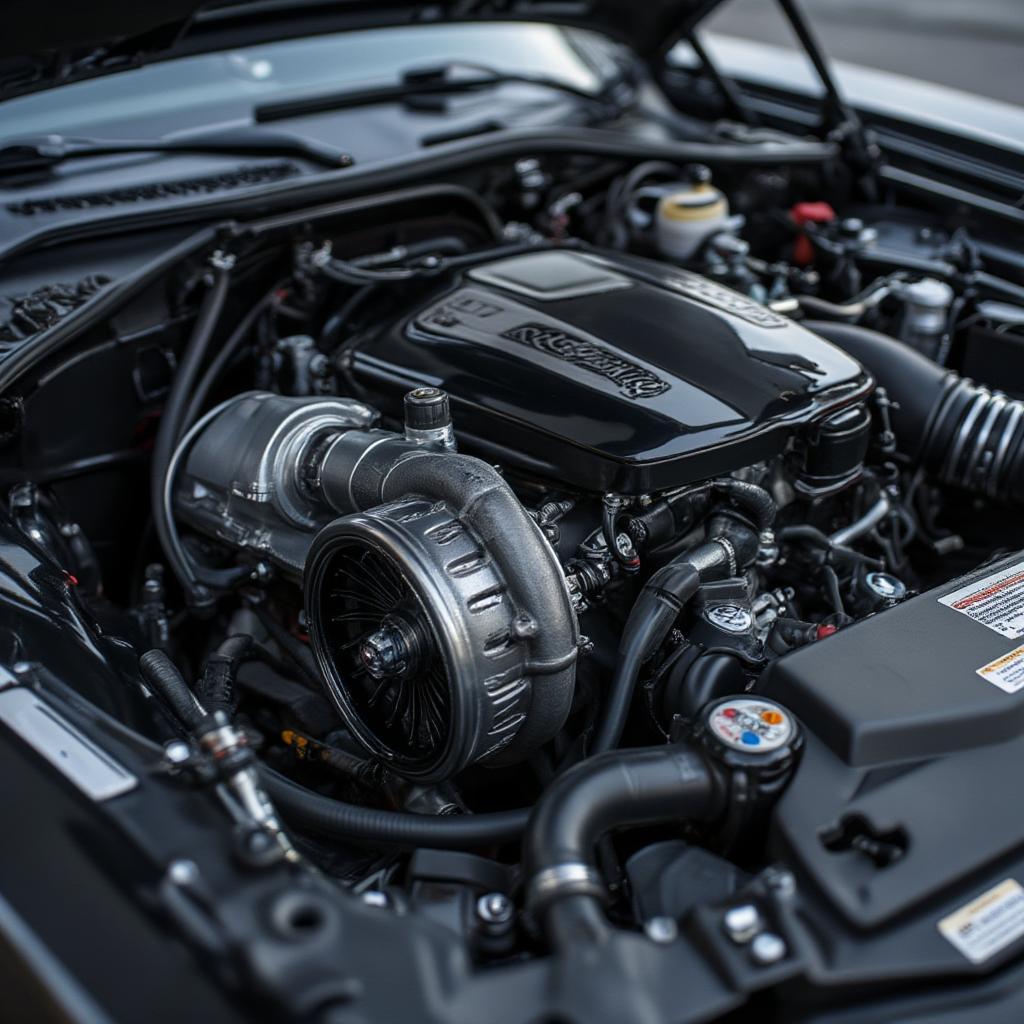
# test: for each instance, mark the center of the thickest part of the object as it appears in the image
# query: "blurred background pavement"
(974, 45)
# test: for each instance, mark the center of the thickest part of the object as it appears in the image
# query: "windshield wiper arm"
(25, 156)
(420, 82)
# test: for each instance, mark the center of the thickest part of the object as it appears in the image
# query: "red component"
(826, 629)
(729, 712)
(808, 213)
(71, 581)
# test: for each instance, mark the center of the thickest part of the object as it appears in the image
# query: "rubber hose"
(911, 379)
(963, 433)
(216, 688)
(658, 605)
(163, 677)
(752, 499)
(656, 608)
(349, 822)
(220, 361)
(617, 789)
(169, 431)
(610, 516)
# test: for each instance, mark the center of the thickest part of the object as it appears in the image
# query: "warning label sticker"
(988, 924)
(996, 601)
(1006, 672)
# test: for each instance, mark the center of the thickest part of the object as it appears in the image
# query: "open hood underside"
(66, 41)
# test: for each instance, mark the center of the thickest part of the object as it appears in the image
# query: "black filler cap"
(427, 409)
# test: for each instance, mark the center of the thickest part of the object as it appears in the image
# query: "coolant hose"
(755, 501)
(618, 789)
(733, 547)
(215, 690)
(963, 433)
(337, 820)
(662, 599)
(164, 679)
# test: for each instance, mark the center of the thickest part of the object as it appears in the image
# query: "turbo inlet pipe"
(963, 433)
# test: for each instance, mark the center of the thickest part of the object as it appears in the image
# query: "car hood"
(61, 41)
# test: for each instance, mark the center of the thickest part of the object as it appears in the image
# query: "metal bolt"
(384, 652)
(183, 872)
(221, 260)
(495, 908)
(261, 572)
(662, 930)
(768, 948)
(321, 256)
(177, 752)
(783, 883)
(22, 668)
(742, 923)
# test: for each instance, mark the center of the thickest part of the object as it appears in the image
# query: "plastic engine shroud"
(610, 372)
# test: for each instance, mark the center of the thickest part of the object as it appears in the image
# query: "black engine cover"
(610, 373)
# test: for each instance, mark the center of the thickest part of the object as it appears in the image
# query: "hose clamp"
(570, 879)
(730, 553)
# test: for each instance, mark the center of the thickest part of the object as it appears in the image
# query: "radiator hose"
(964, 434)
(617, 789)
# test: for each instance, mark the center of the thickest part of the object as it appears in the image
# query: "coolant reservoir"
(687, 217)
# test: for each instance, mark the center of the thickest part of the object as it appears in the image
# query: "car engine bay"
(584, 574)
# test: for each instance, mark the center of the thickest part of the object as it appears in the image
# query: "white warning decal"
(1006, 672)
(996, 601)
(988, 924)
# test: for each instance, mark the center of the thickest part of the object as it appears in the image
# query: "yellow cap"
(702, 202)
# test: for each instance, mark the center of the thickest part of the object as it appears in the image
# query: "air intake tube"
(963, 433)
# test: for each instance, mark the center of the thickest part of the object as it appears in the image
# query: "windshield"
(221, 89)
(972, 45)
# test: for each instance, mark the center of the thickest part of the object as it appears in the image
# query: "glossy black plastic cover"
(911, 759)
(610, 372)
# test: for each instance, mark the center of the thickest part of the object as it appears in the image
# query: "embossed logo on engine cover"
(632, 380)
(713, 294)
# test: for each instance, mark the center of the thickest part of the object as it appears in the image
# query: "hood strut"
(840, 118)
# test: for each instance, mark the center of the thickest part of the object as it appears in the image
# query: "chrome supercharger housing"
(438, 612)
